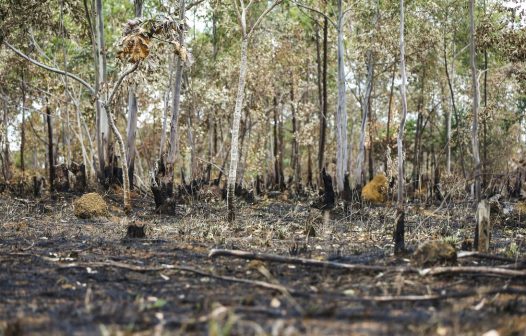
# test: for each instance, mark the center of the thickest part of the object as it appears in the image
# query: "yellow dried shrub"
(376, 190)
(90, 205)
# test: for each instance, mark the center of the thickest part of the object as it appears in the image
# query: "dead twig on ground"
(481, 270)
(437, 297)
(214, 253)
(111, 263)
(478, 255)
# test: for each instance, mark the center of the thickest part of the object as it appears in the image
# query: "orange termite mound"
(375, 191)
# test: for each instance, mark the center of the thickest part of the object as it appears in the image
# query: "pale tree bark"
(234, 151)
(191, 144)
(485, 163)
(4, 150)
(66, 127)
(131, 127)
(475, 107)
(325, 105)
(296, 173)
(120, 140)
(234, 147)
(400, 226)
(451, 81)
(176, 100)
(360, 160)
(103, 126)
(81, 141)
(388, 131)
(448, 139)
(366, 109)
(341, 113)
(448, 120)
(167, 96)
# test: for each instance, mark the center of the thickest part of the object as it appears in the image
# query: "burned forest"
(262, 167)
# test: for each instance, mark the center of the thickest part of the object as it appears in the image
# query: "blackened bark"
(51, 162)
(399, 232)
(23, 126)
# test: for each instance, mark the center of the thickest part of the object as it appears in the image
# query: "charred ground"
(64, 275)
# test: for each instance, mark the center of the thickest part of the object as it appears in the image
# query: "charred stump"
(135, 231)
(327, 201)
(399, 231)
(163, 190)
(347, 193)
(61, 178)
(258, 185)
(112, 174)
(38, 185)
(80, 181)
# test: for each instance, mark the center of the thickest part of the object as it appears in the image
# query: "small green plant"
(512, 250)
(452, 240)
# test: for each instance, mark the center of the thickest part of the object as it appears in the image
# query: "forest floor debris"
(60, 274)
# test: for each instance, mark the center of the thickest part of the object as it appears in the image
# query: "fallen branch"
(478, 255)
(482, 270)
(140, 269)
(214, 253)
(437, 297)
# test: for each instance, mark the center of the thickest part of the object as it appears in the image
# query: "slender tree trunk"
(131, 127)
(6, 155)
(418, 134)
(450, 81)
(365, 113)
(51, 160)
(277, 169)
(323, 114)
(476, 94)
(93, 39)
(234, 151)
(245, 145)
(372, 129)
(281, 154)
(388, 131)
(191, 144)
(295, 146)
(448, 117)
(341, 112)
(167, 105)
(484, 121)
(400, 225)
(131, 130)
(66, 128)
(103, 126)
(81, 141)
(474, 127)
(163, 176)
(23, 126)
